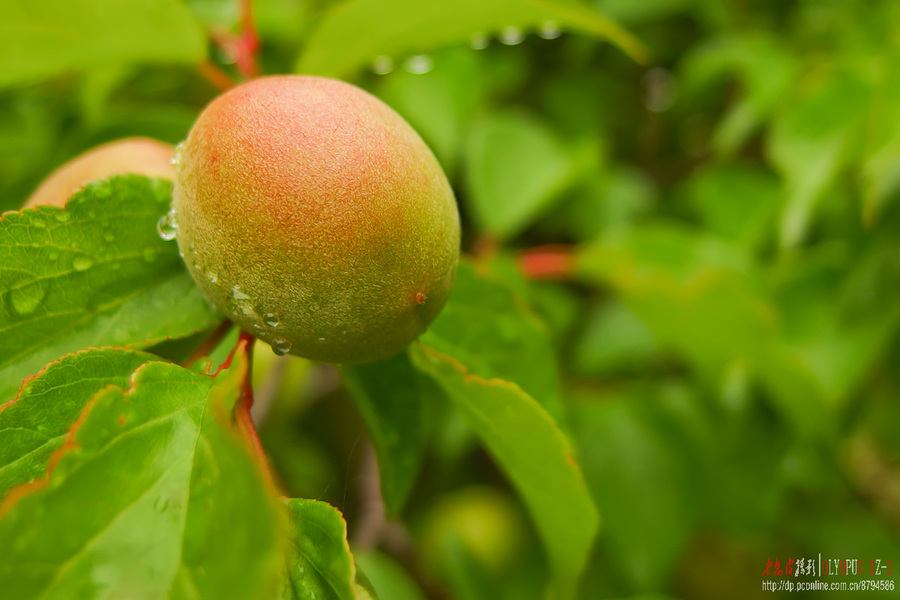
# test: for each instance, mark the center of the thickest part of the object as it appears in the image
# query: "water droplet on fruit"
(175, 161)
(212, 277)
(479, 41)
(418, 64)
(382, 65)
(321, 339)
(511, 35)
(281, 346)
(549, 30)
(167, 226)
(258, 328)
(53, 255)
(242, 305)
(270, 319)
(161, 504)
(26, 299)
(82, 263)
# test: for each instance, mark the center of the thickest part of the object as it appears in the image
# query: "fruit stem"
(552, 262)
(212, 340)
(216, 76)
(249, 46)
(242, 409)
(243, 46)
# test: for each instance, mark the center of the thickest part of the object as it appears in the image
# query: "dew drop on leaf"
(382, 65)
(82, 263)
(418, 64)
(479, 41)
(25, 300)
(511, 35)
(549, 30)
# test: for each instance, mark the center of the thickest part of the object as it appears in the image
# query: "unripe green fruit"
(144, 156)
(316, 218)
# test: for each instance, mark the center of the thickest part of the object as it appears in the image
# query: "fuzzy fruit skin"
(141, 155)
(310, 200)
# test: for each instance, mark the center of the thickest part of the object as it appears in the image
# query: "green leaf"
(839, 314)
(700, 297)
(44, 38)
(439, 104)
(636, 462)
(389, 397)
(613, 339)
(36, 423)
(515, 167)
(767, 70)
(880, 172)
(808, 145)
(488, 328)
(736, 201)
(154, 495)
(319, 565)
(533, 453)
(94, 274)
(354, 32)
(387, 577)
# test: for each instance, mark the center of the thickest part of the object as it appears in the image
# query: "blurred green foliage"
(724, 355)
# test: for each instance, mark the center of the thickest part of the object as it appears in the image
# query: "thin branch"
(242, 409)
(554, 262)
(216, 76)
(249, 47)
(209, 344)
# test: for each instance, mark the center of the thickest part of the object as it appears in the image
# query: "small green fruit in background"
(140, 155)
(316, 218)
(482, 520)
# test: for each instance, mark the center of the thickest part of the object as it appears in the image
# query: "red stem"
(242, 409)
(249, 46)
(553, 262)
(216, 76)
(243, 46)
(213, 340)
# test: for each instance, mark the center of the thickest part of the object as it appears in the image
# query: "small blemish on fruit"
(122, 420)
(421, 298)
